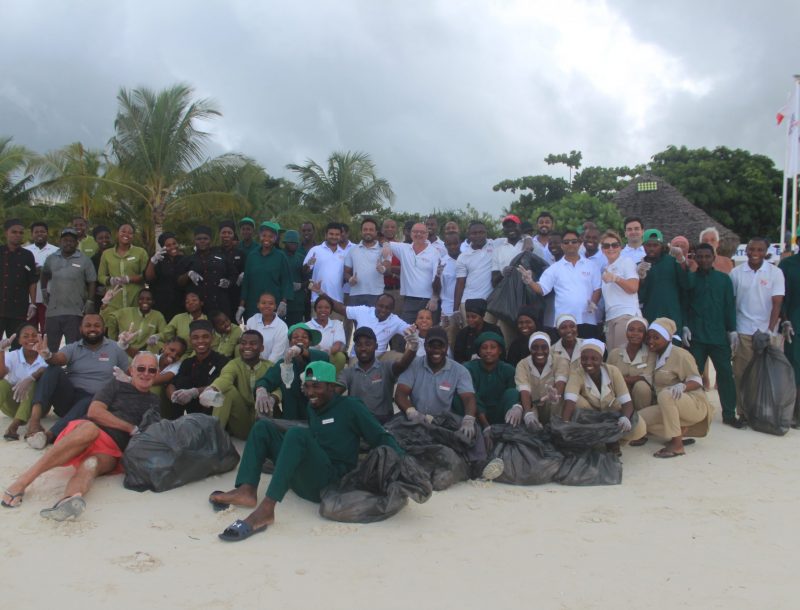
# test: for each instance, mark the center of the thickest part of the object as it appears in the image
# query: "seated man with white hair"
(710, 235)
(94, 446)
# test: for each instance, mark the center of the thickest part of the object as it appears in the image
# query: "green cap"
(247, 221)
(315, 335)
(320, 370)
(272, 226)
(653, 233)
(488, 336)
(291, 237)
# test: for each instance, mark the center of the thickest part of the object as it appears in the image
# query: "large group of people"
(269, 324)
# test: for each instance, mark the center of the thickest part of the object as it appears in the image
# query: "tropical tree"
(15, 176)
(348, 188)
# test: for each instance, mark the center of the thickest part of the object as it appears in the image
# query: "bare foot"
(12, 496)
(11, 432)
(33, 428)
(262, 516)
(245, 495)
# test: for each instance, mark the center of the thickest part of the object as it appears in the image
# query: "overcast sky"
(447, 97)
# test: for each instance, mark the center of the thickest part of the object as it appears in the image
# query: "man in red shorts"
(94, 446)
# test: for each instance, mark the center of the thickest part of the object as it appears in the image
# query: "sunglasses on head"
(613, 244)
(147, 369)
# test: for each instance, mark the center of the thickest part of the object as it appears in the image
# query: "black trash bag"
(511, 293)
(768, 388)
(529, 457)
(442, 431)
(590, 468)
(444, 466)
(169, 454)
(587, 428)
(377, 489)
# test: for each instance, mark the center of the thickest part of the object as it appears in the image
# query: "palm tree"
(349, 187)
(15, 175)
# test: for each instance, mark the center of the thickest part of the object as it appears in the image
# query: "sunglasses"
(569, 241)
(614, 244)
(147, 369)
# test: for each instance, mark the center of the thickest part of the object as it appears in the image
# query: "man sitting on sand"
(94, 445)
(306, 459)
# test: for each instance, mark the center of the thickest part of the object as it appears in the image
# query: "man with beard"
(40, 250)
(544, 226)
(361, 267)
(73, 376)
(208, 272)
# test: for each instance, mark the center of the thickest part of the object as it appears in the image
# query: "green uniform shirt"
(269, 274)
(112, 264)
(89, 246)
(226, 344)
(663, 292)
(294, 404)
(791, 309)
(240, 375)
(340, 425)
(152, 323)
(296, 269)
(712, 307)
(179, 327)
(490, 385)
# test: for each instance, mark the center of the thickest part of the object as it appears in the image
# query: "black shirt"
(213, 265)
(168, 296)
(464, 346)
(17, 273)
(128, 404)
(196, 374)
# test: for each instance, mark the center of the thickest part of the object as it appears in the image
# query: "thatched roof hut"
(661, 206)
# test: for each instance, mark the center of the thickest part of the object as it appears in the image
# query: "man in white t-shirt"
(325, 263)
(447, 280)
(473, 269)
(41, 249)
(759, 288)
(634, 233)
(361, 267)
(419, 262)
(432, 224)
(544, 227)
(576, 282)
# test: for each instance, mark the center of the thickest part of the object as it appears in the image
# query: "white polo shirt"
(331, 333)
(635, 254)
(543, 251)
(417, 271)
(617, 301)
(448, 291)
(598, 258)
(329, 268)
(364, 315)
(275, 334)
(573, 285)
(363, 261)
(18, 367)
(504, 253)
(39, 256)
(440, 247)
(476, 267)
(754, 291)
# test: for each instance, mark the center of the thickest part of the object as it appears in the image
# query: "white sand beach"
(713, 529)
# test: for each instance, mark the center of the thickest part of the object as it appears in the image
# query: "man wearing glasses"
(94, 446)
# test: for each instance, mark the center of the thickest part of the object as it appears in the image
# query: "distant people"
(18, 288)
(102, 235)
(229, 246)
(391, 275)
(40, 249)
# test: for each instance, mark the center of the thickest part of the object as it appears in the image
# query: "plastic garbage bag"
(443, 465)
(377, 489)
(590, 468)
(587, 429)
(768, 388)
(511, 294)
(169, 454)
(529, 457)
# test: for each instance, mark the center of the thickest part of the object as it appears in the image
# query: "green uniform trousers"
(236, 414)
(495, 411)
(300, 463)
(15, 410)
(721, 357)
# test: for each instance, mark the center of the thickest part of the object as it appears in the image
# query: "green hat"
(272, 226)
(320, 370)
(315, 335)
(489, 336)
(653, 233)
(291, 237)
(247, 221)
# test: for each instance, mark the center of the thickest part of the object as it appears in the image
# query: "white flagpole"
(785, 190)
(795, 151)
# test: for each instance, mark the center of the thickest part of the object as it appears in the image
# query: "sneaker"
(67, 508)
(493, 469)
(734, 422)
(37, 441)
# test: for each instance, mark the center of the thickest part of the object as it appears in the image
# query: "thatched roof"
(666, 209)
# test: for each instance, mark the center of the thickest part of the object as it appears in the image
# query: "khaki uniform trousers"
(666, 418)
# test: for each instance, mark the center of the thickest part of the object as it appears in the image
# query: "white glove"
(125, 337)
(291, 353)
(527, 274)
(240, 279)
(552, 395)
(591, 306)
(281, 310)
(120, 375)
(455, 318)
(184, 397)
(6, 343)
(439, 269)
(353, 279)
(413, 415)
(211, 397)
(158, 256)
(642, 269)
(532, 421)
(195, 277)
(514, 415)
(120, 280)
(412, 339)
(135, 431)
(787, 330)
(677, 390)
(296, 286)
(609, 278)
(686, 336)
(312, 261)
(386, 252)
(733, 340)
(239, 314)
(31, 311)
(153, 340)
(677, 254)
(467, 429)
(22, 388)
(265, 402)
(224, 283)
(624, 424)
(110, 294)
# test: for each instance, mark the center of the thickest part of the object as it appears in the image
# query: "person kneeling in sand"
(306, 459)
(94, 446)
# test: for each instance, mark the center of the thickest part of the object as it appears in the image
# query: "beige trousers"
(615, 332)
(668, 416)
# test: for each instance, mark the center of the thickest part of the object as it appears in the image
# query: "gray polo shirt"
(66, 283)
(90, 369)
(433, 393)
(374, 386)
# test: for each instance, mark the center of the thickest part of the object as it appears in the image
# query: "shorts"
(103, 445)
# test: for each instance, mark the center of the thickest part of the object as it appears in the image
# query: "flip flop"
(665, 454)
(689, 441)
(13, 497)
(638, 442)
(11, 436)
(65, 508)
(218, 506)
(240, 530)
